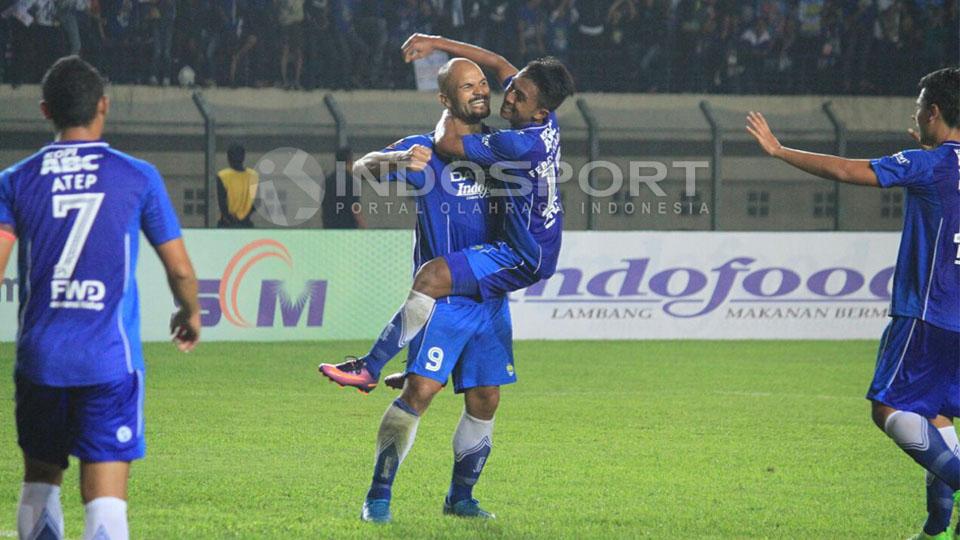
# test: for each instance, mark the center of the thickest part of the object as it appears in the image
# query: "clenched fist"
(416, 158)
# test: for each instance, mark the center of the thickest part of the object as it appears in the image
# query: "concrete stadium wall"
(162, 125)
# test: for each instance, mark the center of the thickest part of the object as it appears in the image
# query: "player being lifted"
(468, 340)
(916, 386)
(528, 156)
(75, 209)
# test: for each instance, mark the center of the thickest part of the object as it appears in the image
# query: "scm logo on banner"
(230, 297)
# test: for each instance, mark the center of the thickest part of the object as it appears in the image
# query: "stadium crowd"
(715, 46)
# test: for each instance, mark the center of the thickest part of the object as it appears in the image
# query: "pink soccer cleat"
(352, 372)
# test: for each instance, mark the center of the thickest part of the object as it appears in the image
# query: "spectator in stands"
(371, 25)
(412, 17)
(236, 191)
(691, 15)
(810, 17)
(756, 46)
(859, 23)
(561, 18)
(319, 46)
(531, 32)
(589, 44)
(69, 13)
(290, 16)
(341, 204)
(649, 50)
(243, 44)
(164, 15)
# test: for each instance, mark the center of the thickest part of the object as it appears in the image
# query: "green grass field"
(659, 439)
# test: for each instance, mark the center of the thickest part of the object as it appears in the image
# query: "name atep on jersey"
(74, 172)
(77, 209)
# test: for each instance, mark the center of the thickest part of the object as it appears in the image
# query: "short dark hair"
(552, 80)
(943, 89)
(72, 90)
(236, 153)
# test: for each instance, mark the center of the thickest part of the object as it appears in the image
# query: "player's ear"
(540, 116)
(45, 109)
(444, 100)
(934, 112)
(103, 107)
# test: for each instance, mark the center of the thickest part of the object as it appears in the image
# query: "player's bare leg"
(398, 428)
(39, 514)
(432, 281)
(472, 443)
(103, 487)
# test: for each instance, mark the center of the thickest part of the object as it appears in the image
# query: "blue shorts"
(102, 422)
(489, 271)
(918, 369)
(473, 341)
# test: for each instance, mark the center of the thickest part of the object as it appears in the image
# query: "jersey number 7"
(87, 206)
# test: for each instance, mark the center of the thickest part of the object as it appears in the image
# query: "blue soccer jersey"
(453, 209)
(926, 284)
(532, 213)
(77, 209)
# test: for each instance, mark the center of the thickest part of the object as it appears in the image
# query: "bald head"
(453, 72)
(464, 90)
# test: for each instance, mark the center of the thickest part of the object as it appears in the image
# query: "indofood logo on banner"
(687, 292)
(693, 285)
(258, 283)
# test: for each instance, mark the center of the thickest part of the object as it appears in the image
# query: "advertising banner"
(692, 285)
(272, 285)
(322, 285)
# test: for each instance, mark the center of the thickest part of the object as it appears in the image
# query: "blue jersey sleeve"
(505, 145)
(6, 200)
(158, 219)
(415, 179)
(907, 168)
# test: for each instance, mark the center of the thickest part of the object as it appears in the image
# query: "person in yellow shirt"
(236, 191)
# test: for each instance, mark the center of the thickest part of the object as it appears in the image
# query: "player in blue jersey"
(75, 209)
(468, 339)
(916, 386)
(524, 162)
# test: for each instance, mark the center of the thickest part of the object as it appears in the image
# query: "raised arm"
(848, 171)
(381, 164)
(422, 45)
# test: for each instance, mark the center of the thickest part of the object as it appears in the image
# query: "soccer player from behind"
(75, 210)
(527, 245)
(916, 385)
(468, 339)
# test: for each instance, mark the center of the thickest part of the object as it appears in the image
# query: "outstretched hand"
(417, 46)
(757, 126)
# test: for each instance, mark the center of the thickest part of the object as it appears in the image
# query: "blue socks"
(472, 443)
